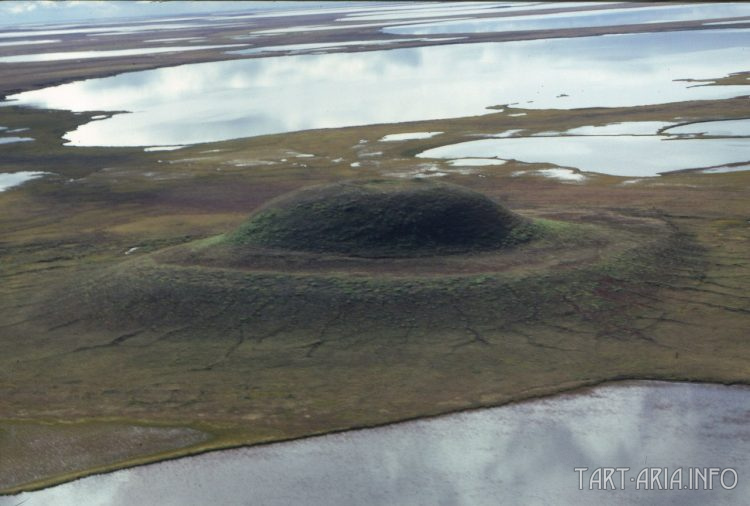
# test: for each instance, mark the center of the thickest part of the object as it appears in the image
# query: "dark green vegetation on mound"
(384, 219)
(319, 301)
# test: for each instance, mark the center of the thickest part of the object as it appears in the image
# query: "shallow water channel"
(525, 453)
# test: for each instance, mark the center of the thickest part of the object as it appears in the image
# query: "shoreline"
(218, 445)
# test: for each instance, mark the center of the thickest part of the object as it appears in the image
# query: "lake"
(258, 96)
(620, 155)
(525, 453)
(663, 13)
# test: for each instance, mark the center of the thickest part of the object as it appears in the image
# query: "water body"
(626, 155)
(561, 174)
(11, 140)
(727, 128)
(225, 100)
(430, 10)
(99, 29)
(319, 46)
(318, 28)
(624, 128)
(563, 20)
(78, 55)
(408, 136)
(174, 39)
(638, 148)
(28, 42)
(11, 179)
(475, 162)
(162, 148)
(525, 453)
(722, 170)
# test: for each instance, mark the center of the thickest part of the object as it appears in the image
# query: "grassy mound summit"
(384, 219)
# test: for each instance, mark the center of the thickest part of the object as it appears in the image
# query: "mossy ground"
(384, 218)
(259, 354)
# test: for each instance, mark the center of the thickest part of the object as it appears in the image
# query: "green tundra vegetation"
(230, 293)
(384, 218)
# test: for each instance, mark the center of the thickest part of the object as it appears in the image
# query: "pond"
(11, 140)
(408, 136)
(620, 155)
(536, 452)
(225, 100)
(726, 128)
(11, 179)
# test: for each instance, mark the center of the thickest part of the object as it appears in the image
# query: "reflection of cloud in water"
(98, 29)
(720, 170)
(524, 453)
(406, 136)
(475, 162)
(624, 149)
(291, 93)
(27, 42)
(330, 46)
(737, 127)
(565, 20)
(11, 140)
(627, 128)
(435, 9)
(629, 155)
(11, 179)
(79, 55)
